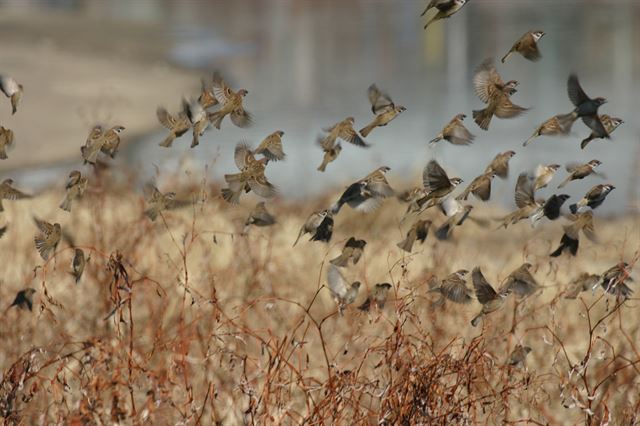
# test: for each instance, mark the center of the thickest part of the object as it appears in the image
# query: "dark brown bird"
(271, 147)
(259, 216)
(77, 264)
(352, 250)
(610, 124)
(500, 164)
(383, 107)
(24, 299)
(580, 171)
(594, 198)
(324, 231)
(47, 241)
(3, 230)
(518, 356)
(480, 187)
(490, 300)
(446, 9)
(494, 92)
(418, 232)
(570, 238)
(75, 187)
(8, 192)
(455, 132)
(558, 125)
(614, 279)
(527, 46)
(6, 141)
(312, 223)
(378, 297)
(177, 125)
(520, 282)
(583, 282)
(366, 194)
(453, 287)
(551, 208)
(585, 108)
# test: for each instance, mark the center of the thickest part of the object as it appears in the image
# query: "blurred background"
(307, 65)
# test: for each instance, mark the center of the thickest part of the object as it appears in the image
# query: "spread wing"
(484, 291)
(241, 118)
(380, 101)
(524, 191)
(485, 80)
(575, 92)
(507, 109)
(434, 177)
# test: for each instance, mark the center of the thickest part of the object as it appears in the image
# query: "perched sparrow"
(93, 145)
(343, 293)
(518, 356)
(312, 224)
(366, 194)
(352, 249)
(383, 107)
(550, 209)
(583, 282)
(480, 187)
(24, 299)
(610, 124)
(324, 231)
(525, 201)
(158, 202)
(613, 280)
(378, 297)
(486, 295)
(177, 125)
(527, 46)
(453, 287)
(520, 282)
(77, 265)
(197, 116)
(259, 217)
(456, 215)
(76, 185)
(6, 140)
(593, 198)
(436, 184)
(418, 232)
(331, 152)
(446, 8)
(8, 192)
(48, 239)
(343, 130)
(455, 132)
(230, 104)
(580, 171)
(271, 147)
(111, 141)
(500, 164)
(11, 89)
(494, 92)
(543, 175)
(250, 178)
(558, 125)
(586, 108)
(570, 238)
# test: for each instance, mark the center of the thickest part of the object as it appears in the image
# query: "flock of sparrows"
(218, 100)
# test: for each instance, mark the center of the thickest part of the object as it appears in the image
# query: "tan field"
(186, 321)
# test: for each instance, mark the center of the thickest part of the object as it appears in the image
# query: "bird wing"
(524, 191)
(380, 189)
(44, 227)
(11, 193)
(380, 101)
(261, 186)
(8, 85)
(459, 135)
(484, 291)
(595, 124)
(271, 148)
(434, 177)
(241, 118)
(221, 92)
(482, 188)
(350, 135)
(575, 92)
(507, 109)
(455, 289)
(485, 80)
(499, 166)
(243, 156)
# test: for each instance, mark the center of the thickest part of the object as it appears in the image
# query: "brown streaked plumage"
(500, 164)
(490, 300)
(343, 293)
(352, 250)
(610, 124)
(77, 264)
(437, 184)
(418, 232)
(456, 214)
(331, 152)
(582, 282)
(47, 241)
(527, 46)
(518, 356)
(543, 175)
(480, 187)
(525, 201)
(198, 118)
(6, 141)
(594, 198)
(455, 132)
(344, 131)
(231, 103)
(557, 125)
(177, 125)
(157, 202)
(250, 178)
(93, 145)
(614, 280)
(8, 192)
(383, 107)
(366, 194)
(580, 171)
(453, 287)
(111, 141)
(75, 187)
(271, 147)
(520, 282)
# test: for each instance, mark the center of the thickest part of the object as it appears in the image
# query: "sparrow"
(259, 216)
(520, 282)
(378, 297)
(344, 131)
(583, 282)
(250, 178)
(158, 202)
(177, 125)
(312, 223)
(366, 194)
(455, 132)
(93, 145)
(480, 187)
(570, 238)
(494, 92)
(491, 300)
(271, 147)
(593, 198)
(453, 287)
(111, 141)
(198, 119)
(446, 8)
(543, 175)
(527, 46)
(343, 293)
(550, 209)
(610, 124)
(8, 192)
(558, 125)
(231, 103)
(383, 107)
(24, 299)
(436, 184)
(6, 140)
(12, 90)
(76, 185)
(331, 152)
(525, 201)
(613, 280)
(456, 215)
(324, 231)
(432, 4)
(78, 264)
(48, 239)
(580, 171)
(352, 250)
(418, 232)
(585, 108)
(500, 164)
(518, 356)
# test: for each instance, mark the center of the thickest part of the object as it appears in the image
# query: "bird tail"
(565, 182)
(504, 58)
(298, 239)
(322, 166)
(335, 208)
(429, 22)
(216, 119)
(42, 247)
(436, 139)
(168, 141)
(483, 118)
(528, 141)
(196, 138)
(406, 244)
(367, 129)
(586, 141)
(66, 204)
(476, 319)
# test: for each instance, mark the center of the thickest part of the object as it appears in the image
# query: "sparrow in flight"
(594, 198)
(455, 132)
(383, 107)
(231, 103)
(11, 90)
(527, 46)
